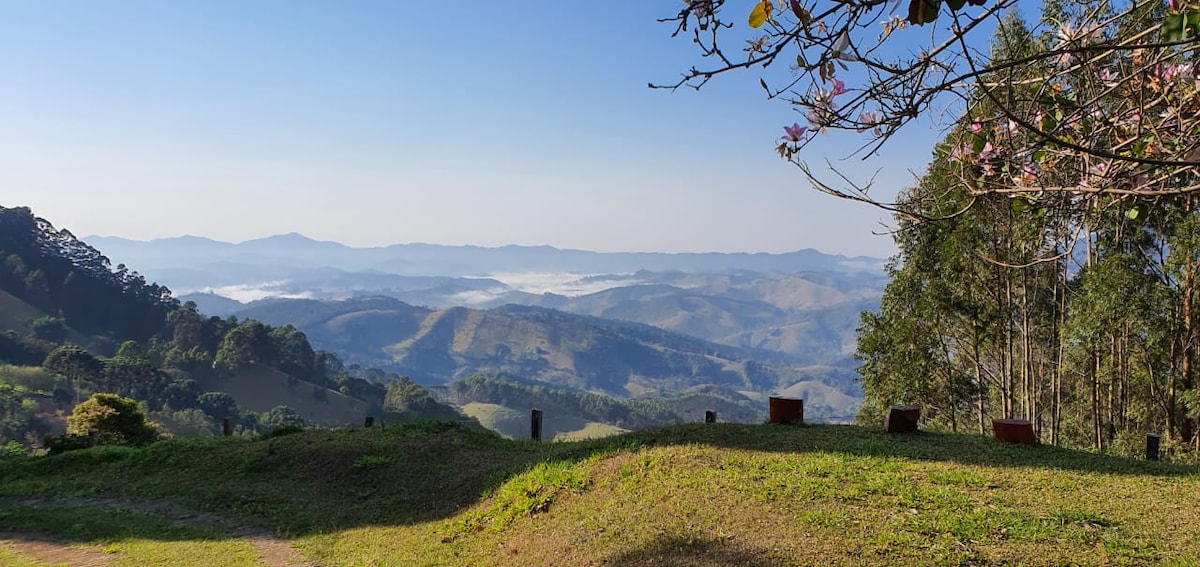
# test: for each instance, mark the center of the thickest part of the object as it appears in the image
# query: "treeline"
(59, 274)
(170, 357)
(1083, 320)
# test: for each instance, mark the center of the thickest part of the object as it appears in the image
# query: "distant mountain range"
(803, 303)
(441, 312)
(189, 264)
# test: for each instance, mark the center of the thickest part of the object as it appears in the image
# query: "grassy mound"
(726, 494)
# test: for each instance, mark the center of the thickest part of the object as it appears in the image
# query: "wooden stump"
(710, 416)
(1014, 431)
(786, 410)
(227, 427)
(901, 419)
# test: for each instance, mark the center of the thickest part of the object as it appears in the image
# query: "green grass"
(726, 494)
(260, 388)
(514, 424)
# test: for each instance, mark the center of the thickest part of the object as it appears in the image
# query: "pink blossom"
(1168, 72)
(988, 152)
(870, 119)
(1108, 78)
(961, 152)
(794, 133)
(975, 127)
(1028, 174)
(815, 119)
(838, 87)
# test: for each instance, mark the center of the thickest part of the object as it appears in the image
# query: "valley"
(441, 313)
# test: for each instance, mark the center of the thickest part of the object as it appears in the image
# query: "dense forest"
(1075, 311)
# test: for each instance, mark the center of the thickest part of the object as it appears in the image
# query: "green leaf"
(1049, 123)
(921, 12)
(1173, 27)
(758, 16)
(978, 142)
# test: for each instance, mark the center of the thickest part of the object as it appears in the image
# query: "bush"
(63, 443)
(12, 449)
(109, 419)
(283, 430)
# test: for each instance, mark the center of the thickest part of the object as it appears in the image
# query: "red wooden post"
(901, 419)
(1014, 431)
(786, 410)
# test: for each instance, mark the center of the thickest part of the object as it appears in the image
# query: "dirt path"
(46, 550)
(272, 551)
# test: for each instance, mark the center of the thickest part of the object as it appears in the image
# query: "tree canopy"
(1095, 102)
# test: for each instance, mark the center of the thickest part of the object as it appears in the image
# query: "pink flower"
(1028, 174)
(1168, 72)
(816, 119)
(870, 119)
(988, 152)
(794, 133)
(962, 152)
(975, 127)
(838, 87)
(1108, 78)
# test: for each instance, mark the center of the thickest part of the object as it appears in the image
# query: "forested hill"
(57, 273)
(72, 326)
(615, 358)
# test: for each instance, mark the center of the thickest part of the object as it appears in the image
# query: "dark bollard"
(1152, 447)
(369, 422)
(710, 416)
(227, 427)
(535, 425)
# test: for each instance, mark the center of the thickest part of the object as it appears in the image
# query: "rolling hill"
(585, 353)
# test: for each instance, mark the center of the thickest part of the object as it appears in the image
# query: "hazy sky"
(467, 122)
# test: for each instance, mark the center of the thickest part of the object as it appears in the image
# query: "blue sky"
(370, 123)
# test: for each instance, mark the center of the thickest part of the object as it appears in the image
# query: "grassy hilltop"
(443, 494)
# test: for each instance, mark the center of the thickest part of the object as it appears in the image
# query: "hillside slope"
(585, 353)
(697, 495)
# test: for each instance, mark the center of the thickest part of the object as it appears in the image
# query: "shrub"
(109, 419)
